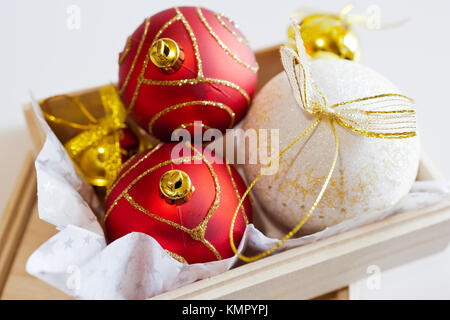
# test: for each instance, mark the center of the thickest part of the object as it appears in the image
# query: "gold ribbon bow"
(385, 116)
(103, 133)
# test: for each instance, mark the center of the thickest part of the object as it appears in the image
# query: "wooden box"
(305, 272)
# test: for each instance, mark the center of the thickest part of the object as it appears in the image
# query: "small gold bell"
(92, 165)
(176, 187)
(327, 35)
(166, 55)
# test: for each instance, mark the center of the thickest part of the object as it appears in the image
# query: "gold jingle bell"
(326, 36)
(92, 164)
(166, 55)
(176, 187)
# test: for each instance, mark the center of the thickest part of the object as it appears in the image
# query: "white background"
(40, 53)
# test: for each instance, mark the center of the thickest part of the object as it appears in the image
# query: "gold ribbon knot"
(104, 132)
(384, 116)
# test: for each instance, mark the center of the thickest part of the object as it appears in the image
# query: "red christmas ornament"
(129, 143)
(183, 65)
(186, 207)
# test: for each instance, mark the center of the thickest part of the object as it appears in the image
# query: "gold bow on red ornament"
(96, 150)
(393, 118)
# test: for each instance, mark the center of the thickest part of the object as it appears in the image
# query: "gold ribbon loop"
(104, 132)
(385, 116)
(115, 115)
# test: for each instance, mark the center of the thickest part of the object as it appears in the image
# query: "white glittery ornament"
(371, 174)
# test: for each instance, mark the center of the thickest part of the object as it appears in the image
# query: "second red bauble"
(212, 81)
(192, 229)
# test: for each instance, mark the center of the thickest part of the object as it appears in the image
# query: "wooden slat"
(341, 294)
(299, 273)
(321, 267)
(15, 217)
(308, 271)
(20, 284)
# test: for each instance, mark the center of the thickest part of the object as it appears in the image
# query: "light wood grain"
(300, 273)
(20, 284)
(15, 217)
(308, 271)
(22, 232)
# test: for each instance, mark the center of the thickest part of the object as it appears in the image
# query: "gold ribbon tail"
(310, 211)
(383, 116)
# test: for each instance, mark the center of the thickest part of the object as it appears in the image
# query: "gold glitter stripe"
(125, 52)
(146, 172)
(136, 92)
(220, 17)
(176, 256)
(141, 43)
(216, 184)
(193, 124)
(193, 103)
(238, 196)
(212, 248)
(222, 45)
(166, 25)
(197, 81)
(179, 16)
(197, 233)
(149, 153)
(126, 163)
(159, 218)
(228, 84)
(194, 43)
(200, 76)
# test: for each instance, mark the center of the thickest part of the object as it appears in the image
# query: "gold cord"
(375, 123)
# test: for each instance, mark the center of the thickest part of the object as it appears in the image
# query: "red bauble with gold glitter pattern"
(186, 207)
(183, 65)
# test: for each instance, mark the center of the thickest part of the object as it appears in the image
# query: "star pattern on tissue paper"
(87, 239)
(47, 187)
(68, 243)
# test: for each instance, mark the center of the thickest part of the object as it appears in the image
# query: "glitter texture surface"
(371, 174)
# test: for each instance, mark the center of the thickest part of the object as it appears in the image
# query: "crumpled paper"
(78, 261)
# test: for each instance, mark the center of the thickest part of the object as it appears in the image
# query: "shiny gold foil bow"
(96, 150)
(385, 116)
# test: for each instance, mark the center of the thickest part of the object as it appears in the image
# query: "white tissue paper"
(78, 261)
